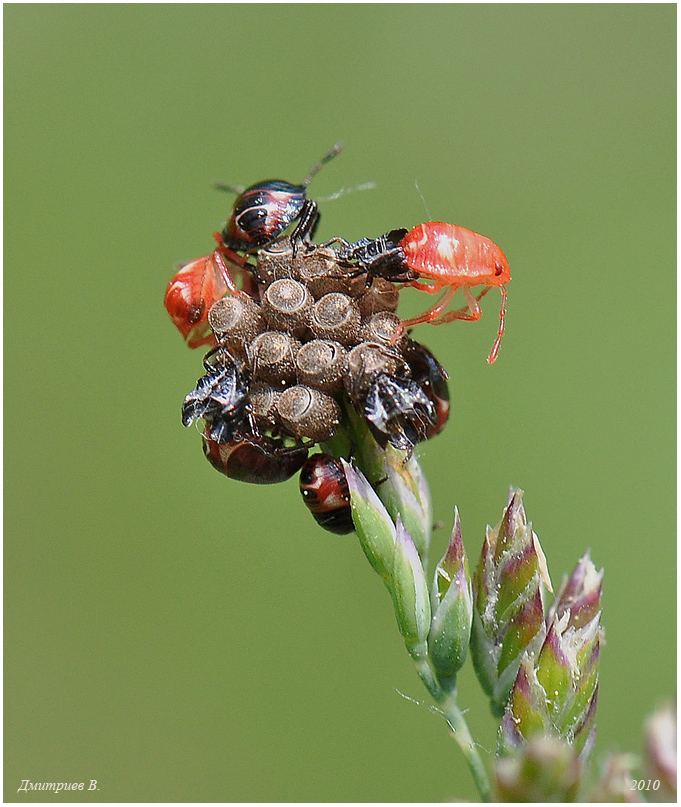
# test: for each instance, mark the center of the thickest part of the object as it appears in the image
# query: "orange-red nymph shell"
(189, 297)
(454, 256)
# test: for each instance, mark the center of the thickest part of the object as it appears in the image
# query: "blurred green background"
(179, 636)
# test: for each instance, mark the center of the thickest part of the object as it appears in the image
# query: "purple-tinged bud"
(452, 606)
(660, 751)
(556, 690)
(508, 614)
(410, 594)
(547, 769)
(580, 594)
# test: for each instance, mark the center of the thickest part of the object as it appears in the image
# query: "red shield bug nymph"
(200, 283)
(432, 378)
(263, 211)
(257, 460)
(325, 491)
(189, 296)
(455, 258)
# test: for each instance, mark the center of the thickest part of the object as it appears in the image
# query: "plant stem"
(457, 722)
(427, 675)
(377, 464)
(448, 706)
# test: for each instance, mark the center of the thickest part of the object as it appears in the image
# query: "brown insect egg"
(337, 318)
(385, 328)
(322, 275)
(276, 262)
(273, 357)
(382, 295)
(366, 362)
(287, 304)
(236, 321)
(308, 414)
(263, 399)
(322, 365)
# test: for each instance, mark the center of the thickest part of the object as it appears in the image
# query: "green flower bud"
(452, 605)
(508, 613)
(556, 691)
(374, 526)
(410, 594)
(403, 489)
(547, 769)
(406, 495)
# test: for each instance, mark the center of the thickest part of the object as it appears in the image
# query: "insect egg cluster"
(318, 336)
(305, 341)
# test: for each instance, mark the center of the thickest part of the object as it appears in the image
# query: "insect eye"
(498, 269)
(196, 313)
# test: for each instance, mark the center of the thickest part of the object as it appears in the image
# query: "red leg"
(432, 313)
(424, 287)
(502, 320)
(232, 257)
(463, 313)
(224, 257)
(223, 271)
